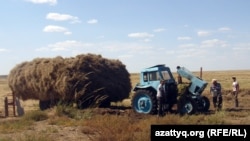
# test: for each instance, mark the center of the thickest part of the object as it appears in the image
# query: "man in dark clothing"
(160, 97)
(215, 90)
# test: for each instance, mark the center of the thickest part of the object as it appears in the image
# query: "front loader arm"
(183, 72)
(197, 85)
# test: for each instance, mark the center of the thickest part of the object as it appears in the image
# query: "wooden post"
(6, 107)
(10, 102)
(201, 72)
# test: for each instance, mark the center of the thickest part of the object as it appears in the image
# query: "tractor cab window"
(151, 76)
(165, 75)
(145, 76)
(154, 76)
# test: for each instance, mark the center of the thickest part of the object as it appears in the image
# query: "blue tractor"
(188, 102)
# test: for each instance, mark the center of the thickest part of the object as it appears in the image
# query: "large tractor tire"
(204, 104)
(186, 105)
(144, 102)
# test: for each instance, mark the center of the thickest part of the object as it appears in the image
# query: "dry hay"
(87, 77)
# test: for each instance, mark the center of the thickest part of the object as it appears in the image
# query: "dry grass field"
(119, 122)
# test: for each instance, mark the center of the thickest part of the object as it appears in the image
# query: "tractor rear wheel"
(186, 105)
(144, 102)
(204, 104)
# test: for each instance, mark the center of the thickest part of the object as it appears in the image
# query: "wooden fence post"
(10, 102)
(201, 72)
(6, 106)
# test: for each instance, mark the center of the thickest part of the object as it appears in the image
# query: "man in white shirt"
(236, 87)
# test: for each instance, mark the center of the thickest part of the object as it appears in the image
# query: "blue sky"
(212, 34)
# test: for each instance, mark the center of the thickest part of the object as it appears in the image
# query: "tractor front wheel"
(186, 105)
(144, 102)
(204, 104)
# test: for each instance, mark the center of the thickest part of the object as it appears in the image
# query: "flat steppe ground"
(240, 115)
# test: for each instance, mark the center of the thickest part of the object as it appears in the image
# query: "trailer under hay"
(87, 80)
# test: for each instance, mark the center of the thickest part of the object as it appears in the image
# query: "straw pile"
(86, 79)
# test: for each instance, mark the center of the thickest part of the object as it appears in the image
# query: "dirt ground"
(77, 132)
(59, 133)
(62, 133)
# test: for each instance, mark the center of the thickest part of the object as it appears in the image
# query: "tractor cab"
(144, 99)
(150, 77)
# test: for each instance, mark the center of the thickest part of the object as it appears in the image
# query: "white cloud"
(125, 56)
(187, 46)
(159, 30)
(170, 52)
(101, 37)
(54, 28)
(184, 38)
(224, 29)
(92, 21)
(192, 51)
(67, 33)
(140, 35)
(128, 52)
(3, 49)
(146, 40)
(50, 2)
(110, 49)
(65, 46)
(124, 47)
(214, 43)
(62, 17)
(69, 43)
(203, 33)
(242, 47)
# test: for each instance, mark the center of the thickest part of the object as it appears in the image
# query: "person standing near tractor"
(235, 92)
(215, 90)
(160, 97)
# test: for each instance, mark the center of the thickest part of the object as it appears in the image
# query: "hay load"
(85, 79)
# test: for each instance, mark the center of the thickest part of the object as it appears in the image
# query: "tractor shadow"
(239, 109)
(113, 110)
